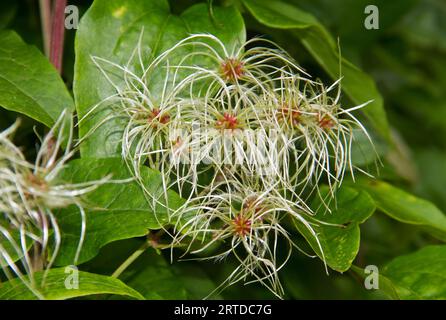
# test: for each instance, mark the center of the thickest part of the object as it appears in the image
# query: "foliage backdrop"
(395, 221)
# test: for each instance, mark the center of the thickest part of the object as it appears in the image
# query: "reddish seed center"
(155, 116)
(326, 122)
(177, 143)
(232, 69)
(228, 121)
(242, 225)
(37, 181)
(290, 115)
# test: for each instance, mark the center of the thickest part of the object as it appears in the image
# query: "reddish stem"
(57, 34)
(45, 17)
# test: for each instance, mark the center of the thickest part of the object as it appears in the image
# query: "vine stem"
(152, 241)
(45, 17)
(58, 34)
(135, 255)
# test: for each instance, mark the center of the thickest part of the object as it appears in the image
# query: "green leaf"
(431, 165)
(356, 84)
(7, 13)
(118, 23)
(155, 278)
(340, 240)
(29, 84)
(114, 211)
(363, 152)
(149, 283)
(197, 283)
(405, 207)
(152, 274)
(9, 248)
(54, 287)
(386, 286)
(419, 275)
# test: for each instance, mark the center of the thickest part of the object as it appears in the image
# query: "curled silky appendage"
(30, 195)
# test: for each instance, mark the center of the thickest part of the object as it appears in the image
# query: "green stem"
(135, 255)
(151, 241)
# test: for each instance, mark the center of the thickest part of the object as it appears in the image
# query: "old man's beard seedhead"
(30, 195)
(316, 134)
(248, 221)
(306, 139)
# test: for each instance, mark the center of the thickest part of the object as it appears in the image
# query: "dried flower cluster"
(246, 136)
(30, 194)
